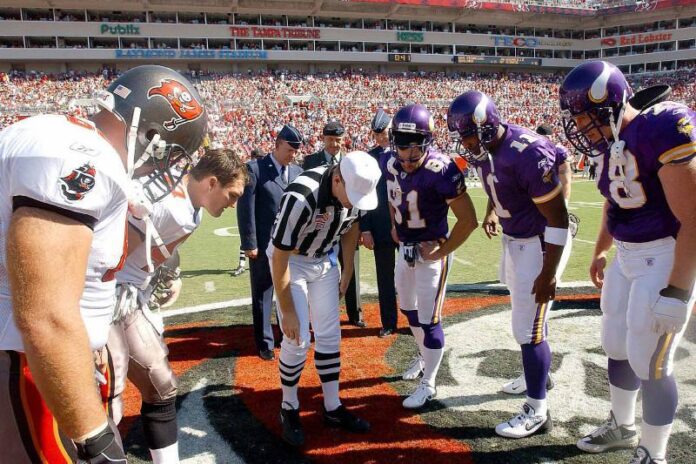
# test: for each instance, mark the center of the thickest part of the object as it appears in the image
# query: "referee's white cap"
(361, 173)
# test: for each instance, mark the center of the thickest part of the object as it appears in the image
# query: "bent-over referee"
(320, 207)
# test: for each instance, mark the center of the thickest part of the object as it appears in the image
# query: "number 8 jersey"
(638, 211)
(420, 199)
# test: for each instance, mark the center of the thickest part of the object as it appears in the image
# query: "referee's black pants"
(261, 301)
(385, 261)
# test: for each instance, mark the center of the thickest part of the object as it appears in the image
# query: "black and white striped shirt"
(310, 219)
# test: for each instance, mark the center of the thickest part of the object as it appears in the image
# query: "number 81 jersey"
(420, 198)
(638, 211)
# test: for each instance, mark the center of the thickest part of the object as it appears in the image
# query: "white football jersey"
(64, 163)
(175, 219)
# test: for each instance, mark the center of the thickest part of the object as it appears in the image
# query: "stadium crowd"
(247, 109)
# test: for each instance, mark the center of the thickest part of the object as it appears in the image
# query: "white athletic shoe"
(524, 424)
(415, 369)
(519, 385)
(421, 395)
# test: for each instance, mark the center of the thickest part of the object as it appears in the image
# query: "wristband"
(671, 291)
(556, 236)
(83, 439)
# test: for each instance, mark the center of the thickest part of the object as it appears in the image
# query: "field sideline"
(209, 255)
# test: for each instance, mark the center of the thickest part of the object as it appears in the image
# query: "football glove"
(669, 314)
(101, 449)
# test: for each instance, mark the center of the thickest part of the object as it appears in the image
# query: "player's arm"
(47, 257)
(490, 221)
(464, 211)
(602, 247)
(565, 176)
(555, 237)
(671, 309)
(349, 240)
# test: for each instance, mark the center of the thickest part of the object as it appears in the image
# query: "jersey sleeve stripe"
(20, 201)
(283, 235)
(552, 194)
(678, 153)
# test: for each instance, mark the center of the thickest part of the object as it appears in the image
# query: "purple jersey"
(522, 174)
(561, 155)
(420, 198)
(638, 210)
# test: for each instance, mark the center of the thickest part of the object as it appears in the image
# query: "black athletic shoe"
(340, 417)
(292, 427)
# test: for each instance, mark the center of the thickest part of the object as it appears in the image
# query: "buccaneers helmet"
(166, 118)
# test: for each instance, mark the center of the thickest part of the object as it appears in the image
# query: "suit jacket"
(315, 160)
(257, 207)
(378, 221)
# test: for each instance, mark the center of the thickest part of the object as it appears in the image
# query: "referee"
(320, 207)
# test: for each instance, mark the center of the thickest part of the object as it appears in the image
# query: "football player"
(645, 148)
(422, 186)
(519, 173)
(64, 195)
(136, 344)
(519, 385)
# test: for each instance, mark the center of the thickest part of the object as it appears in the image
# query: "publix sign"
(119, 29)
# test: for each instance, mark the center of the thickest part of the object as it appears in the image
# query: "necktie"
(284, 174)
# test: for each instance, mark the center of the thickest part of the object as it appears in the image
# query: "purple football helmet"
(473, 113)
(600, 91)
(412, 125)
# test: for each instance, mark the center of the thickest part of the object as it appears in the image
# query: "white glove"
(138, 204)
(126, 301)
(669, 315)
(171, 294)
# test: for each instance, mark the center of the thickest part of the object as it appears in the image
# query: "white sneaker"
(525, 424)
(519, 385)
(415, 369)
(421, 395)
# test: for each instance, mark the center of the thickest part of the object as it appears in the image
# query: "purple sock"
(660, 400)
(412, 317)
(621, 375)
(434, 336)
(536, 360)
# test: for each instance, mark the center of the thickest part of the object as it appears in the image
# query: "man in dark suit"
(255, 154)
(375, 226)
(332, 136)
(256, 211)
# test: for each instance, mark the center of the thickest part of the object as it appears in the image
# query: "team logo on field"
(79, 182)
(180, 99)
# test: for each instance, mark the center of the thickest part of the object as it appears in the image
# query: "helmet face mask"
(165, 169)
(581, 138)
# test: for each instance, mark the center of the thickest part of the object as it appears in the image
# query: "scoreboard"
(504, 60)
(400, 57)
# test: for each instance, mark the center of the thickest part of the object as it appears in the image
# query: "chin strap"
(132, 139)
(616, 150)
(150, 235)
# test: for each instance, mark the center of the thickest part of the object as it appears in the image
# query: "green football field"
(209, 255)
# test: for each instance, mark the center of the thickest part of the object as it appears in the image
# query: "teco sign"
(635, 39)
(274, 32)
(529, 42)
